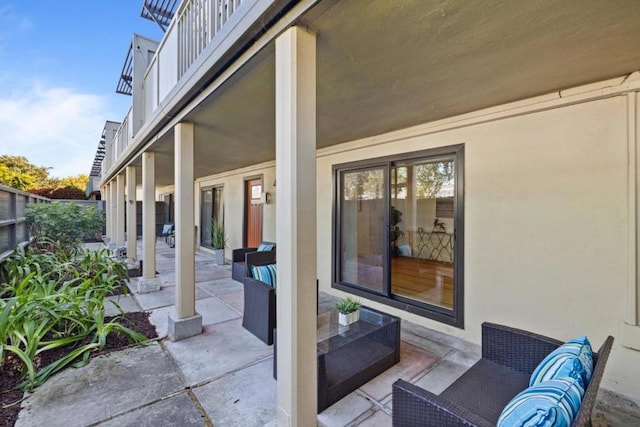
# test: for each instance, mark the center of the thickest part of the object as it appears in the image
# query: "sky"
(59, 66)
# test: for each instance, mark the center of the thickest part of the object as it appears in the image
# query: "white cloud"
(52, 126)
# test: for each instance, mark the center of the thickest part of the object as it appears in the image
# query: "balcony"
(160, 76)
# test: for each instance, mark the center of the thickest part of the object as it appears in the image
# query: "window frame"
(454, 316)
(213, 189)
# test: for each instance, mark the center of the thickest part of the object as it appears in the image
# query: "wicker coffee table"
(350, 356)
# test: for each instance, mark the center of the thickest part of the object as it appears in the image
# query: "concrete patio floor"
(223, 377)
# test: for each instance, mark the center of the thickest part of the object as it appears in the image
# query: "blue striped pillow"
(265, 273)
(573, 359)
(264, 247)
(553, 403)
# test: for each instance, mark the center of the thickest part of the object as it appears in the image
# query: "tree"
(15, 179)
(77, 181)
(18, 172)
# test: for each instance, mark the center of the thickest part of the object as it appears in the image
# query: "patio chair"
(477, 398)
(259, 316)
(168, 232)
(241, 258)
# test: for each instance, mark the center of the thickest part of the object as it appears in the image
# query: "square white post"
(113, 220)
(186, 322)
(120, 206)
(296, 227)
(132, 232)
(148, 282)
(106, 195)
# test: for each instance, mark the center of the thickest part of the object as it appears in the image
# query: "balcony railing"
(192, 30)
(124, 135)
(198, 22)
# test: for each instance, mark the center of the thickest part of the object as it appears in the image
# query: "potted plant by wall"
(348, 311)
(218, 241)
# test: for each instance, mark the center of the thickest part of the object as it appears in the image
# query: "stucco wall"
(546, 218)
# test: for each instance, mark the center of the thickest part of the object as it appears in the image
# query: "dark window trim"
(454, 317)
(202, 190)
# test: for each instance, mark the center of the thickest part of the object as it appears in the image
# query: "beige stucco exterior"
(546, 220)
(546, 223)
(233, 194)
(551, 183)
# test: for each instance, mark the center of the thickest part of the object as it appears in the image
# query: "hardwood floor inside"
(423, 280)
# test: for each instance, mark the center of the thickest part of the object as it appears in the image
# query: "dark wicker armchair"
(509, 357)
(241, 258)
(259, 309)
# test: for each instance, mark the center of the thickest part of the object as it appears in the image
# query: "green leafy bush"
(52, 299)
(66, 223)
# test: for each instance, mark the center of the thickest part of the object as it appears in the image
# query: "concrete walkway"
(224, 376)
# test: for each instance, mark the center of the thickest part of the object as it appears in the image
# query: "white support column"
(113, 204)
(186, 322)
(132, 232)
(148, 282)
(296, 227)
(631, 326)
(106, 196)
(120, 206)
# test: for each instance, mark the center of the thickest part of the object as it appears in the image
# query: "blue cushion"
(572, 359)
(166, 229)
(265, 247)
(550, 403)
(265, 273)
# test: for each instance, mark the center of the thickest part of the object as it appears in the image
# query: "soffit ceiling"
(385, 65)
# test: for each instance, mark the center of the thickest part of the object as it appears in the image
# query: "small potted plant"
(218, 241)
(348, 311)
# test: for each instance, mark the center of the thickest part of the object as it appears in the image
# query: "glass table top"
(332, 335)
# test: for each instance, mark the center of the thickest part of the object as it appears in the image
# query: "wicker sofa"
(509, 356)
(243, 257)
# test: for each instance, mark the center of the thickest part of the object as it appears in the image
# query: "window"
(211, 209)
(398, 227)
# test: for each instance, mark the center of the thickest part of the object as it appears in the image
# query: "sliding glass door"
(211, 209)
(422, 259)
(362, 219)
(396, 226)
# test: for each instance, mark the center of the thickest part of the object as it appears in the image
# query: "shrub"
(68, 193)
(55, 299)
(65, 223)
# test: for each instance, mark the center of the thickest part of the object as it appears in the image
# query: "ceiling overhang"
(383, 66)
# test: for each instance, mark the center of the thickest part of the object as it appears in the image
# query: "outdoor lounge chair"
(168, 232)
(259, 315)
(243, 257)
(259, 309)
(477, 398)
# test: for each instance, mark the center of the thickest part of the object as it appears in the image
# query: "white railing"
(191, 31)
(198, 22)
(150, 88)
(124, 135)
